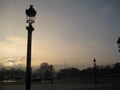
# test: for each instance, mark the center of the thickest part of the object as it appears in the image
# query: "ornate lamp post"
(118, 42)
(30, 15)
(95, 72)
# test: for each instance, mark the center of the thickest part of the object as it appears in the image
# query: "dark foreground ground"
(106, 84)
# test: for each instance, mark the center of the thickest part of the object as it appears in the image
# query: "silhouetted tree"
(7, 74)
(68, 73)
(116, 69)
(45, 71)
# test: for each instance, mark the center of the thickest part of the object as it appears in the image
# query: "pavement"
(61, 86)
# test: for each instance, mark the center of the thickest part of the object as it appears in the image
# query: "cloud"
(13, 46)
(16, 61)
(17, 40)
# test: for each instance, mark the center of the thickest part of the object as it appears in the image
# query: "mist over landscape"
(59, 44)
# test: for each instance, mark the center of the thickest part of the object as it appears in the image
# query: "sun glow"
(10, 63)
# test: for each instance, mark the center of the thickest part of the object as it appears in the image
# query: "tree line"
(48, 72)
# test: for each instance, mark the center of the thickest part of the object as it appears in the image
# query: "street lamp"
(30, 16)
(95, 72)
(51, 70)
(118, 42)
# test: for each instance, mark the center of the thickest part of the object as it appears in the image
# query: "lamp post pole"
(28, 68)
(30, 13)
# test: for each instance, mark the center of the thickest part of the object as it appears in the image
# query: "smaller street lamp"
(95, 72)
(51, 67)
(118, 42)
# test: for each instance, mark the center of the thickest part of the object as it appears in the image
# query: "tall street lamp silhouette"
(30, 16)
(95, 72)
(118, 42)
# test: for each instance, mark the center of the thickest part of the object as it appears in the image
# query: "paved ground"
(104, 84)
(62, 86)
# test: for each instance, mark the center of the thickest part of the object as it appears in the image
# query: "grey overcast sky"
(66, 31)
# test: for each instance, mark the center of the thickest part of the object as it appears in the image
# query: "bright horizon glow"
(66, 31)
(11, 63)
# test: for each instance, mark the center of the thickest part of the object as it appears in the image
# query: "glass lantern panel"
(30, 20)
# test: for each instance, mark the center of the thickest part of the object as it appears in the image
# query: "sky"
(67, 32)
